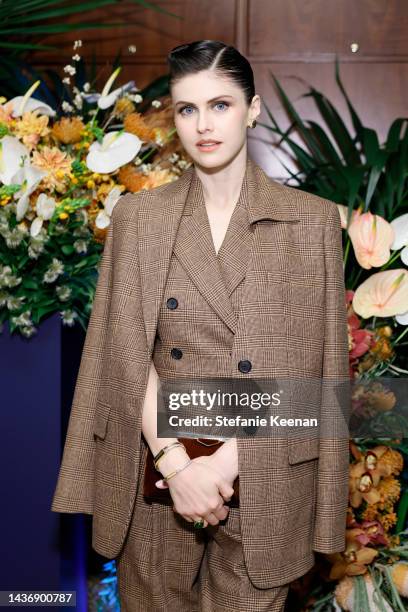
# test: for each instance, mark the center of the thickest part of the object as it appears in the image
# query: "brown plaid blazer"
(292, 323)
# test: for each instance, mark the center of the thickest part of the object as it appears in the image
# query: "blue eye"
(181, 111)
(224, 103)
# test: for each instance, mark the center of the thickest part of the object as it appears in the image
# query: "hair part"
(215, 55)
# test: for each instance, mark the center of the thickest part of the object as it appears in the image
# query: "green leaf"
(325, 143)
(337, 127)
(375, 174)
(67, 249)
(357, 124)
(295, 118)
(402, 512)
(393, 137)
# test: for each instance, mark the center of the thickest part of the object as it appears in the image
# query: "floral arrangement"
(369, 183)
(60, 177)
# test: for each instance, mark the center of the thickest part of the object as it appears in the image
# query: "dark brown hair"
(212, 55)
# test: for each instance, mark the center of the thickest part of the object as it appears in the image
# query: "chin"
(208, 161)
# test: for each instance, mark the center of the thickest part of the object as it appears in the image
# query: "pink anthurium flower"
(384, 294)
(343, 210)
(371, 236)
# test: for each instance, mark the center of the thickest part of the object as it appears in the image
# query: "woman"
(222, 273)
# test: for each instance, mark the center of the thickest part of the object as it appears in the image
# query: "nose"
(204, 122)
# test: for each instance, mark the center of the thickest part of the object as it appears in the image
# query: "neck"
(222, 185)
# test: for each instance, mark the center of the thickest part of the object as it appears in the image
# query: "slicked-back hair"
(215, 55)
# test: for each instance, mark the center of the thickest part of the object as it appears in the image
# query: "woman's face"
(210, 107)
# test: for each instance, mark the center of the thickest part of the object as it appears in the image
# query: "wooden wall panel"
(315, 30)
(294, 39)
(152, 33)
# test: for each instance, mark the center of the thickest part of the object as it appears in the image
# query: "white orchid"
(116, 150)
(28, 177)
(400, 227)
(103, 218)
(45, 207)
(12, 154)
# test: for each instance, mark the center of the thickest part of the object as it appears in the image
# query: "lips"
(208, 146)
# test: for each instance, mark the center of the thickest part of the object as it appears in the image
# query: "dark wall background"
(295, 39)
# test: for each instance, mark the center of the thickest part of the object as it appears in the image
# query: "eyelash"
(215, 104)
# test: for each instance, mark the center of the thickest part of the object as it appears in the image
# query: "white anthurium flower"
(107, 97)
(31, 105)
(400, 226)
(402, 319)
(103, 218)
(28, 177)
(45, 207)
(110, 99)
(11, 153)
(23, 104)
(116, 150)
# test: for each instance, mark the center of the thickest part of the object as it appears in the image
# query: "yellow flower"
(31, 127)
(399, 574)
(157, 178)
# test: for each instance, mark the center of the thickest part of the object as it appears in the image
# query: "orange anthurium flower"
(371, 236)
(383, 294)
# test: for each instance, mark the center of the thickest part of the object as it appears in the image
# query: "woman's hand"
(199, 492)
(225, 460)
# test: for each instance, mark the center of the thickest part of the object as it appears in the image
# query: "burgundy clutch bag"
(195, 447)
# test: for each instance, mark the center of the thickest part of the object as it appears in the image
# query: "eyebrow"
(212, 100)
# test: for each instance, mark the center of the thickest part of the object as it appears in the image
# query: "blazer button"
(172, 303)
(244, 366)
(176, 353)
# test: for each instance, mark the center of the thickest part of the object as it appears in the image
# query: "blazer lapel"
(160, 218)
(194, 248)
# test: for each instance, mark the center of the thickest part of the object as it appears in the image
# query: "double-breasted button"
(176, 353)
(244, 366)
(172, 303)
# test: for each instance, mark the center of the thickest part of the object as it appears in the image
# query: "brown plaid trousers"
(291, 322)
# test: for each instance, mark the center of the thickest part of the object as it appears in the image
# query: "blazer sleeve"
(74, 489)
(333, 464)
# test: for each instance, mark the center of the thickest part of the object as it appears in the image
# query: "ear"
(256, 106)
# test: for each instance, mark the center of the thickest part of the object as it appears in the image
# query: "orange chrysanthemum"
(56, 163)
(133, 180)
(123, 107)
(68, 130)
(135, 124)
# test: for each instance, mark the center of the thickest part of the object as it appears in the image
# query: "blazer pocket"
(303, 450)
(101, 419)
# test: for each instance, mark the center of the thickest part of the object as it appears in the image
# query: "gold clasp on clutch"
(206, 444)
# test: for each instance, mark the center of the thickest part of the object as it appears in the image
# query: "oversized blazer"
(294, 491)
